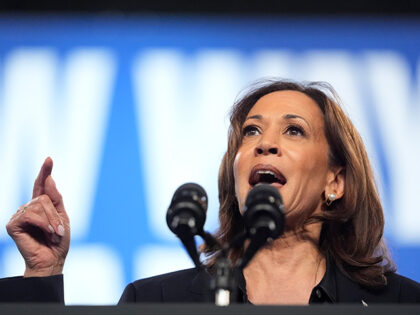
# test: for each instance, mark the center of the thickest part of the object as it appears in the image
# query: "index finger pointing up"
(39, 185)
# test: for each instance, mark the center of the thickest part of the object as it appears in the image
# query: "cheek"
(318, 167)
(310, 162)
(308, 180)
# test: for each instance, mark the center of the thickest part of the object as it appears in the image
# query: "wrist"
(44, 272)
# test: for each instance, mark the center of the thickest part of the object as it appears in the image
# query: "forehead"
(287, 102)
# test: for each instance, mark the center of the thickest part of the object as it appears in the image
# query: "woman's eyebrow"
(291, 116)
(254, 117)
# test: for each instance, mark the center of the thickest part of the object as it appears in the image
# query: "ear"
(336, 179)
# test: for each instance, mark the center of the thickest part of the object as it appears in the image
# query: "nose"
(266, 148)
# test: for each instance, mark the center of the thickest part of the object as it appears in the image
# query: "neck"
(290, 267)
(287, 253)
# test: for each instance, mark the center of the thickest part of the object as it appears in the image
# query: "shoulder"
(180, 286)
(399, 289)
(407, 289)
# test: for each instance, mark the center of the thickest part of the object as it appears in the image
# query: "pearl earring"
(330, 199)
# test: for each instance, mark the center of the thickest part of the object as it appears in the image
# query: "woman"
(297, 138)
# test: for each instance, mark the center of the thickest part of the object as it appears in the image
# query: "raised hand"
(41, 228)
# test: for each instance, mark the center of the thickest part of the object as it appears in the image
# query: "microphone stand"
(185, 218)
(224, 283)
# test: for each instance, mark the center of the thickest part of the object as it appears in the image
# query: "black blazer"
(192, 286)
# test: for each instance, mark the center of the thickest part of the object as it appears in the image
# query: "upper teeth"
(266, 172)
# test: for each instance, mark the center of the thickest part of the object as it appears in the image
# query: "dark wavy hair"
(352, 227)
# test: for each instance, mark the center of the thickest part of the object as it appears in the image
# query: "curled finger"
(33, 224)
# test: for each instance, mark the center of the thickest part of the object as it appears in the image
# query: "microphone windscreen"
(191, 191)
(188, 209)
(263, 219)
(264, 205)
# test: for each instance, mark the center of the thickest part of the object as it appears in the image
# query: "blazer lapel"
(200, 287)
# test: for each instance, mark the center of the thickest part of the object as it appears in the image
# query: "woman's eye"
(249, 131)
(295, 131)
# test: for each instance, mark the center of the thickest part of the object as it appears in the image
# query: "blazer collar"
(348, 291)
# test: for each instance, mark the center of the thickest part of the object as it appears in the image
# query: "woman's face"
(284, 144)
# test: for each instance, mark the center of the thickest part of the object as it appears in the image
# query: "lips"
(265, 173)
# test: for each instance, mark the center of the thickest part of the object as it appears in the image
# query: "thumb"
(54, 194)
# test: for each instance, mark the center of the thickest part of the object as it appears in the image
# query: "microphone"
(263, 218)
(186, 216)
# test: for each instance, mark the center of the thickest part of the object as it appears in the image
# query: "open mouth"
(266, 174)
